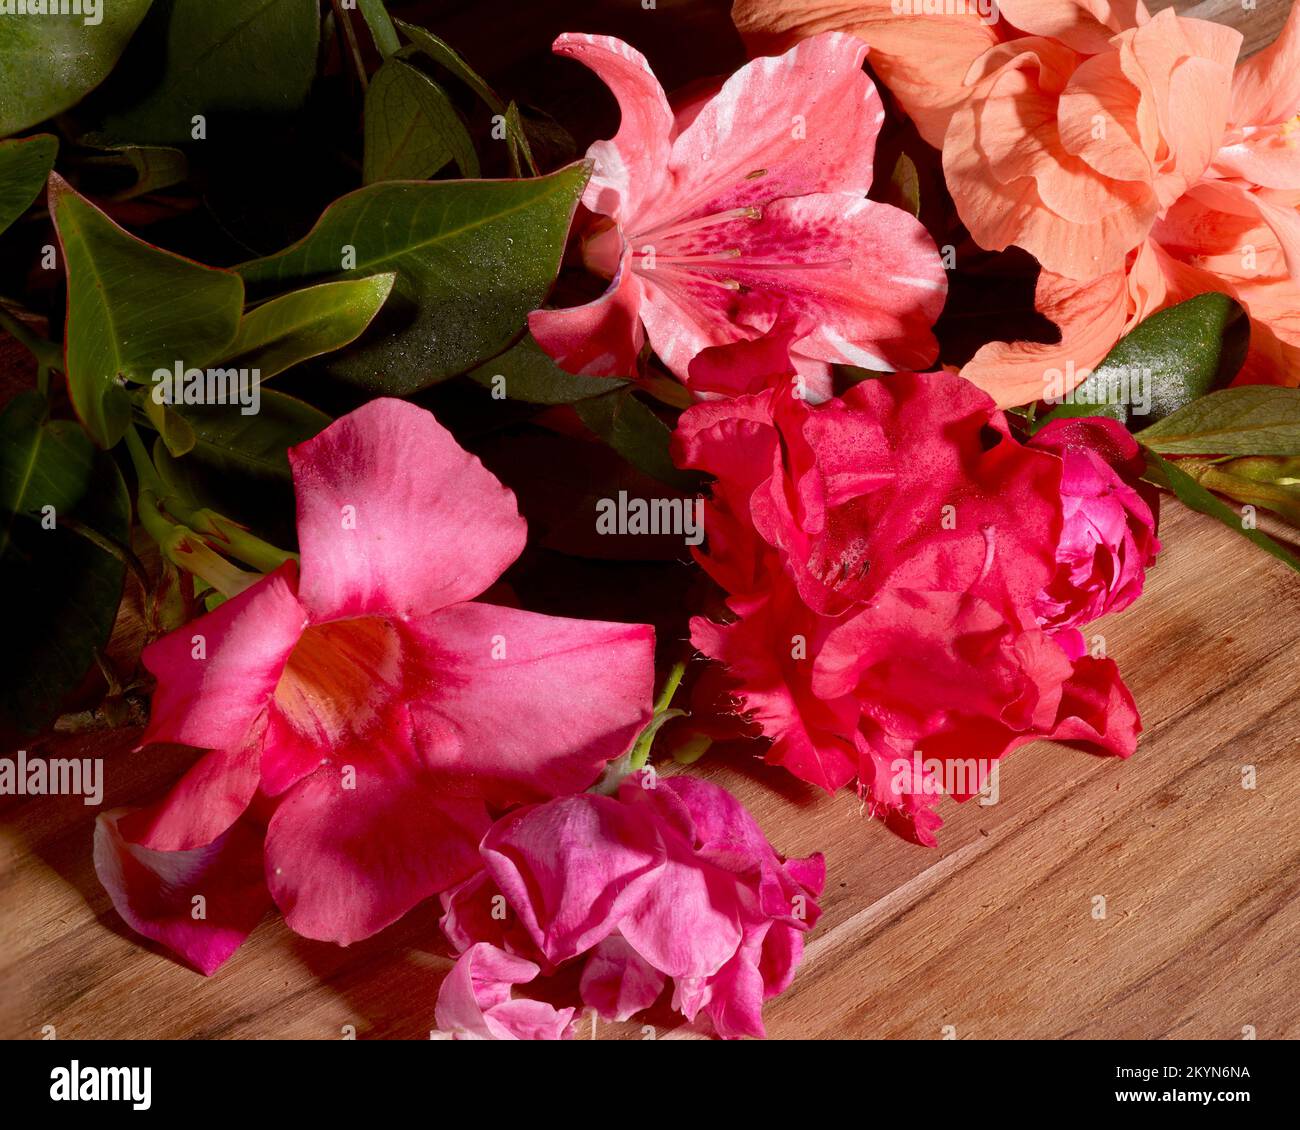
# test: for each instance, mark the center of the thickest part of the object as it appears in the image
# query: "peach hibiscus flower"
(1132, 155)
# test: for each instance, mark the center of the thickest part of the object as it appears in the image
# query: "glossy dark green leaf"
(526, 372)
(1250, 420)
(1168, 474)
(306, 323)
(473, 258)
(637, 434)
(412, 129)
(48, 64)
(59, 590)
(221, 59)
(24, 167)
(1166, 362)
(132, 308)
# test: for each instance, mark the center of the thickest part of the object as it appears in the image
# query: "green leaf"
(236, 57)
(49, 63)
(132, 308)
(24, 167)
(905, 185)
(170, 425)
(1166, 362)
(1251, 420)
(526, 372)
(637, 434)
(253, 445)
(59, 591)
(517, 139)
(412, 129)
(239, 466)
(446, 56)
(381, 27)
(473, 258)
(306, 323)
(1168, 475)
(155, 166)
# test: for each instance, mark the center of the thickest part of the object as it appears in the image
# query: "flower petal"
(212, 795)
(216, 674)
(572, 868)
(799, 123)
(865, 275)
(1091, 316)
(155, 891)
(1085, 25)
(522, 706)
(922, 60)
(1266, 87)
(687, 924)
(474, 1001)
(602, 338)
(394, 517)
(617, 981)
(630, 167)
(349, 853)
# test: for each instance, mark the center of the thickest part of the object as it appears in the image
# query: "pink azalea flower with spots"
(713, 222)
(363, 712)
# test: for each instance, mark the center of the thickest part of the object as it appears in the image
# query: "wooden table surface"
(991, 935)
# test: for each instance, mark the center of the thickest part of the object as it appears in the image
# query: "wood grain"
(992, 933)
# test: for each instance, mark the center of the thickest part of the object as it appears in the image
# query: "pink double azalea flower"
(363, 714)
(906, 583)
(1108, 527)
(746, 203)
(670, 880)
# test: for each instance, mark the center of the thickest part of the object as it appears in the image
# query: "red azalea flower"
(370, 705)
(745, 204)
(884, 556)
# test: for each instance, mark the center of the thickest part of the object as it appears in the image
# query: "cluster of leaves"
(422, 269)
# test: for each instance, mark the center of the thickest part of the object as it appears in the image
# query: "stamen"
(717, 258)
(673, 228)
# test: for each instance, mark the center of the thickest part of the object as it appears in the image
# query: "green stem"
(641, 750)
(670, 686)
(233, 538)
(145, 471)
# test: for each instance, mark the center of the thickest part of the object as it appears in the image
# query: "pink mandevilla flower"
(366, 711)
(742, 207)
